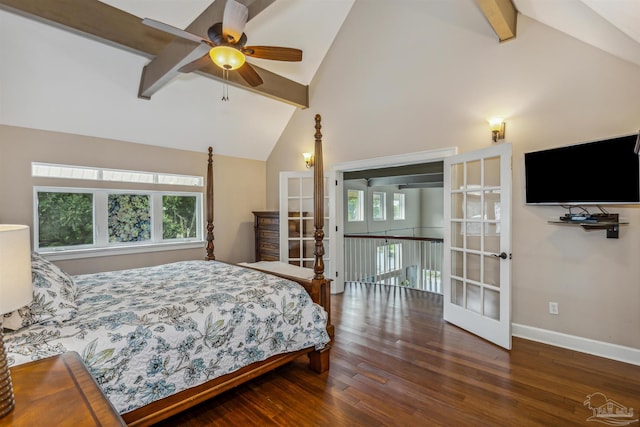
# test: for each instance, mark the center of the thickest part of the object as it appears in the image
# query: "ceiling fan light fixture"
(227, 57)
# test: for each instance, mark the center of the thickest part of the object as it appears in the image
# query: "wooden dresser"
(267, 235)
(58, 391)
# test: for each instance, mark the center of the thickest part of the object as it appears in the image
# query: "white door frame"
(336, 208)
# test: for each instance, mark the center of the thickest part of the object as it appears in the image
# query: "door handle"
(502, 255)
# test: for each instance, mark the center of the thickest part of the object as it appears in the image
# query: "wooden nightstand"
(58, 391)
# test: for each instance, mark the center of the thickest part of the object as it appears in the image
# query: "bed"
(161, 339)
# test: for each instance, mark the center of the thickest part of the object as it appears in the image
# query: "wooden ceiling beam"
(502, 16)
(164, 67)
(177, 53)
(93, 19)
(107, 24)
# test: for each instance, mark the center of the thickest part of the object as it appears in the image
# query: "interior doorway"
(337, 204)
(394, 226)
(477, 190)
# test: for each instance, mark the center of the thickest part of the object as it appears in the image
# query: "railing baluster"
(364, 264)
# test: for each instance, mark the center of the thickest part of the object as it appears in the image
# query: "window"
(388, 258)
(379, 206)
(64, 219)
(50, 170)
(179, 217)
(355, 205)
(81, 218)
(398, 206)
(129, 218)
(80, 222)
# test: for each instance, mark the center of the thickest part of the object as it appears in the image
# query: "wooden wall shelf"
(611, 224)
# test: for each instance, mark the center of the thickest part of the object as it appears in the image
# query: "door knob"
(502, 255)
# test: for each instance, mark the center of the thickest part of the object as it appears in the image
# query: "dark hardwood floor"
(396, 362)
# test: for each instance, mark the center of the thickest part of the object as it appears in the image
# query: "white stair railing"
(414, 262)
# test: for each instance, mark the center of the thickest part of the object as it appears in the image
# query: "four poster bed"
(159, 340)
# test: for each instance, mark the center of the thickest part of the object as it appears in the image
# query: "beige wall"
(239, 188)
(431, 80)
(432, 200)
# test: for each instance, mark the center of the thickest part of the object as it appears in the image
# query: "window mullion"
(156, 217)
(200, 218)
(100, 209)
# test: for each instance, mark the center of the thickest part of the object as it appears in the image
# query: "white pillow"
(54, 297)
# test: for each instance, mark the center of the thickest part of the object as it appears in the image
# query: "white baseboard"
(572, 342)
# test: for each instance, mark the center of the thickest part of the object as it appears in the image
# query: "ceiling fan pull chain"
(225, 86)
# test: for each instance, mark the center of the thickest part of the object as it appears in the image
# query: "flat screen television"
(594, 173)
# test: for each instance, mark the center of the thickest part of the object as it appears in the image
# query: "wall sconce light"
(497, 128)
(308, 159)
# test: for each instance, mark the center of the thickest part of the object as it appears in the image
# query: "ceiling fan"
(228, 44)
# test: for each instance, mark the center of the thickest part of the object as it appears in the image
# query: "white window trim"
(101, 246)
(121, 250)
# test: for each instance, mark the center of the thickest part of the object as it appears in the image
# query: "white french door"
(477, 243)
(297, 224)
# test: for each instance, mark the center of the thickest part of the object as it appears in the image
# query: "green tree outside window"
(179, 217)
(129, 217)
(65, 219)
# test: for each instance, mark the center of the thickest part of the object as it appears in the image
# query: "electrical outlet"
(553, 308)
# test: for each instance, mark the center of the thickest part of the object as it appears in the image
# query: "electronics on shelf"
(590, 218)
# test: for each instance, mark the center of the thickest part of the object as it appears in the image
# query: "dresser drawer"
(269, 246)
(268, 222)
(268, 234)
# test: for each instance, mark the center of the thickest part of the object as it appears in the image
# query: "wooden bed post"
(319, 359)
(209, 207)
(318, 202)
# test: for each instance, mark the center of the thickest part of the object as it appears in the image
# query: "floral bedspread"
(147, 333)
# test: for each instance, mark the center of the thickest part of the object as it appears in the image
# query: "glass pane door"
(477, 241)
(297, 243)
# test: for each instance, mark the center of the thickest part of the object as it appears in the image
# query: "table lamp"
(16, 291)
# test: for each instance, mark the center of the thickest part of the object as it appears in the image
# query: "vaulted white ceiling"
(57, 80)
(610, 25)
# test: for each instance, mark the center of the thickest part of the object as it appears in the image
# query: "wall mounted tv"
(594, 173)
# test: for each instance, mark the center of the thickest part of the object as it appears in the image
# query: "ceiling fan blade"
(273, 52)
(233, 21)
(173, 30)
(250, 75)
(199, 63)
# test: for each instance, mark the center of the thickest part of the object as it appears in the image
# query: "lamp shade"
(16, 289)
(227, 57)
